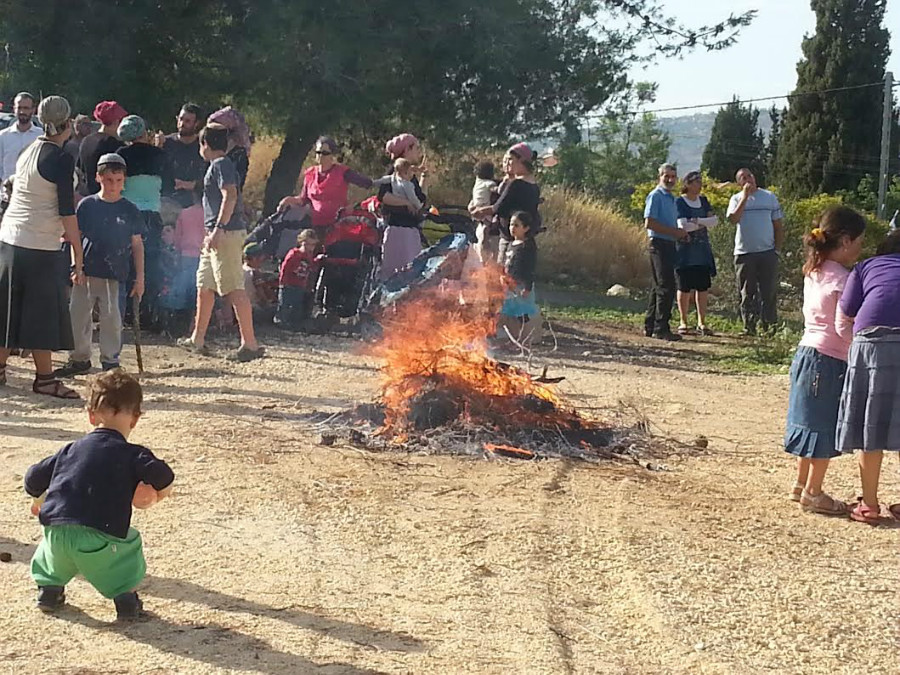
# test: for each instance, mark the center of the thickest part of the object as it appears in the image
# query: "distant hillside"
(690, 134)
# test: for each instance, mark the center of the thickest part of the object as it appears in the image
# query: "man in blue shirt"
(661, 221)
(759, 234)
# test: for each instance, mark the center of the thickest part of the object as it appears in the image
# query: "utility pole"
(885, 143)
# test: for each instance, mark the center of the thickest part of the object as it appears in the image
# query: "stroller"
(277, 234)
(448, 219)
(349, 267)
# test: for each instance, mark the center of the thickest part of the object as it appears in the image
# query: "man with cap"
(16, 137)
(149, 177)
(109, 114)
(110, 227)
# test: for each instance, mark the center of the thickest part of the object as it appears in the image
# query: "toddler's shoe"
(129, 607)
(51, 598)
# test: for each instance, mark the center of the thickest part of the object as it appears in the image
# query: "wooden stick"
(136, 325)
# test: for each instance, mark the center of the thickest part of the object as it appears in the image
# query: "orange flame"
(435, 341)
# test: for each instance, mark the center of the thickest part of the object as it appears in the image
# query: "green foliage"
(623, 149)
(735, 142)
(829, 141)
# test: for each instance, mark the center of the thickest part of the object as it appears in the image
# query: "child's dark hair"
(484, 170)
(525, 218)
(115, 390)
(215, 137)
(890, 245)
(112, 168)
(835, 223)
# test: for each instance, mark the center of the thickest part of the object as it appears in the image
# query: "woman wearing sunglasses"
(325, 185)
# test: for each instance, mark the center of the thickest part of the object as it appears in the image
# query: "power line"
(749, 100)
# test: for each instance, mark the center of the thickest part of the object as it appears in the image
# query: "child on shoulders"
(820, 363)
(83, 497)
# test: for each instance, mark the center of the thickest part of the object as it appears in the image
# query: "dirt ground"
(278, 555)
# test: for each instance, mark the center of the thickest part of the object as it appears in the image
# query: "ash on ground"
(440, 427)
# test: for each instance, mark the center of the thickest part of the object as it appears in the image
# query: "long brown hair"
(835, 223)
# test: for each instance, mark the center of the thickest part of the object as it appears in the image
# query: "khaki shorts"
(221, 269)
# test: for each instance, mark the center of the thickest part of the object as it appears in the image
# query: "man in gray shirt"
(758, 237)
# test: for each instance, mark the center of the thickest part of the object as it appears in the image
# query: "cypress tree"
(735, 142)
(829, 141)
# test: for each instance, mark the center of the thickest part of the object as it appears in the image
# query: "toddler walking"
(820, 363)
(83, 496)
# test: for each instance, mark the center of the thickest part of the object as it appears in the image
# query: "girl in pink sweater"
(820, 363)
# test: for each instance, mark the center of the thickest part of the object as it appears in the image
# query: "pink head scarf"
(237, 127)
(398, 145)
(523, 151)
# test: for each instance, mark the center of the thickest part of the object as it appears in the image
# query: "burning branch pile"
(441, 386)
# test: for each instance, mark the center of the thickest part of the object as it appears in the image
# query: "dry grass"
(265, 150)
(590, 242)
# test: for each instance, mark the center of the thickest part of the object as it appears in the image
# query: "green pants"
(109, 564)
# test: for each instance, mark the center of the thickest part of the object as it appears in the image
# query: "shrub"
(589, 242)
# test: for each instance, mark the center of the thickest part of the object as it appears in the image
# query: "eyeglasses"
(323, 153)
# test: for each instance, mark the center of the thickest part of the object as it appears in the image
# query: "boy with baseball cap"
(110, 228)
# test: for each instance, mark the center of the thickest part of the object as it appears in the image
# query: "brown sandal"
(823, 504)
(55, 388)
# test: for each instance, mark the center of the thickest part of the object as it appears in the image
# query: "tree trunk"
(286, 167)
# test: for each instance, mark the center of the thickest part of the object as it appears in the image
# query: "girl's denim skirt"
(816, 384)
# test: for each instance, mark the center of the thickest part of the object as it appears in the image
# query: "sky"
(762, 63)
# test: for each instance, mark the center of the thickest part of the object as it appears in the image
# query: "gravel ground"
(277, 555)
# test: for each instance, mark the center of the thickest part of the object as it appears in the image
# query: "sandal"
(796, 492)
(894, 510)
(684, 330)
(706, 331)
(244, 355)
(823, 504)
(863, 513)
(53, 387)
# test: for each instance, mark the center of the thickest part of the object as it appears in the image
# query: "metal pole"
(885, 143)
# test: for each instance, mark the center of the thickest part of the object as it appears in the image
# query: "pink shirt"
(190, 231)
(821, 294)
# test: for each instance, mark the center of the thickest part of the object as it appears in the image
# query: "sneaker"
(109, 366)
(51, 598)
(129, 607)
(668, 336)
(73, 368)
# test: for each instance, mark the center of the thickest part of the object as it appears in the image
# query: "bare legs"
(684, 306)
(869, 474)
(43, 360)
(811, 474)
(206, 300)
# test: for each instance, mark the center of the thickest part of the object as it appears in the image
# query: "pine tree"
(735, 142)
(777, 116)
(831, 140)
